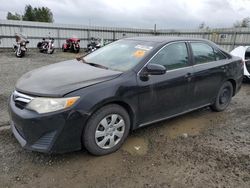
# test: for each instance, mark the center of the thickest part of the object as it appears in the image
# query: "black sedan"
(94, 103)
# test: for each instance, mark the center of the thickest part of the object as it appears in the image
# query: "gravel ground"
(199, 149)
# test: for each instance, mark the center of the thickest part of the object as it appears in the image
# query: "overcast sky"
(167, 14)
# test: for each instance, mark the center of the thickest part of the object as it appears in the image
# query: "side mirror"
(155, 69)
(152, 69)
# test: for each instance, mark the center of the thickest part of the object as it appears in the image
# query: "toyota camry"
(94, 103)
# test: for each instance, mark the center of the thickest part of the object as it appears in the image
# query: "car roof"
(165, 39)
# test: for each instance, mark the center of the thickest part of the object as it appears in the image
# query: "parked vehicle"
(20, 46)
(93, 45)
(72, 44)
(46, 46)
(244, 53)
(94, 103)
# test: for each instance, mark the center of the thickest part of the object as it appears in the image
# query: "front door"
(165, 95)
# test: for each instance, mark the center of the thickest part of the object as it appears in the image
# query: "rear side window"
(219, 55)
(202, 52)
(172, 56)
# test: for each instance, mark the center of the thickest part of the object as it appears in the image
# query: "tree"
(39, 14)
(245, 22)
(15, 16)
(43, 14)
(29, 14)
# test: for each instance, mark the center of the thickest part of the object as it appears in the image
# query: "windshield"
(121, 55)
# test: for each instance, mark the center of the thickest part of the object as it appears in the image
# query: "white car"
(244, 53)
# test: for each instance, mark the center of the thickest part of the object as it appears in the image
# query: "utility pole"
(89, 30)
(21, 26)
(155, 29)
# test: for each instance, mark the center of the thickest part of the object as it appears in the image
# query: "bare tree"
(245, 22)
(202, 25)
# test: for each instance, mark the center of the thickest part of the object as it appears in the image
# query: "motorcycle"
(20, 46)
(46, 46)
(93, 45)
(72, 44)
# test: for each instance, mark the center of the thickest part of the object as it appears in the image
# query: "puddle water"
(136, 146)
(184, 126)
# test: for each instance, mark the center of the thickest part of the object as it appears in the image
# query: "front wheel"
(224, 97)
(106, 130)
(20, 53)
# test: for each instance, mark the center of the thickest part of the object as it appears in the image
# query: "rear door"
(165, 95)
(209, 72)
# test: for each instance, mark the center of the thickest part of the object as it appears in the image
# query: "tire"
(17, 54)
(77, 50)
(223, 98)
(102, 145)
(20, 55)
(63, 49)
(52, 51)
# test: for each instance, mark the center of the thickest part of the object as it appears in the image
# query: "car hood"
(58, 79)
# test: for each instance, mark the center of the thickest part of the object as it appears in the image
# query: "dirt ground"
(199, 149)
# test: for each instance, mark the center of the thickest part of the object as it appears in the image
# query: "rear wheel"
(224, 97)
(63, 48)
(52, 51)
(106, 130)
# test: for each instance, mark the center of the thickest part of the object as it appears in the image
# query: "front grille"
(21, 100)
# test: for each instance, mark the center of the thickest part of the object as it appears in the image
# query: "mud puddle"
(136, 146)
(190, 124)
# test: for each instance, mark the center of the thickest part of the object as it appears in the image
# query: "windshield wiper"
(92, 64)
(96, 65)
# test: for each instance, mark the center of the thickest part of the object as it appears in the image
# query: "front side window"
(172, 56)
(202, 52)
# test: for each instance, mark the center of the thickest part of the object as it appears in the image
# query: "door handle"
(188, 76)
(223, 68)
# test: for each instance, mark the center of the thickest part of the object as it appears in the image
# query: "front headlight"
(44, 105)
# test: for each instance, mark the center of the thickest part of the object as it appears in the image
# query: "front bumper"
(57, 132)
